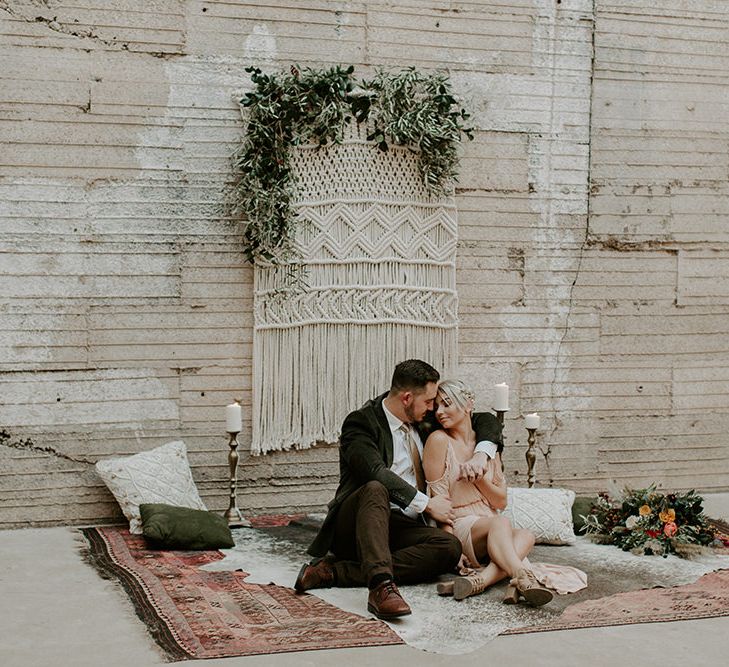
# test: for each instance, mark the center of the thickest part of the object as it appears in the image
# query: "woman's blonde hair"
(459, 393)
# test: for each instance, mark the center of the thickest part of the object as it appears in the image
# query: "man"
(375, 527)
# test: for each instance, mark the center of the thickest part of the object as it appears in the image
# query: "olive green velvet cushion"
(171, 527)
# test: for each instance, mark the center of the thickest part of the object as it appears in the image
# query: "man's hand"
(475, 468)
(440, 509)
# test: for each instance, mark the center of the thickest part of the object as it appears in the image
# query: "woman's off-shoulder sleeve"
(439, 487)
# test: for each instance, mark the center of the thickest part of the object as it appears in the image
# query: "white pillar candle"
(532, 420)
(233, 418)
(501, 397)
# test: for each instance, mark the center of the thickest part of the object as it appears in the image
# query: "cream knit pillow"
(160, 475)
(545, 512)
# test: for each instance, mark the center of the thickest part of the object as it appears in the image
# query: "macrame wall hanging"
(377, 247)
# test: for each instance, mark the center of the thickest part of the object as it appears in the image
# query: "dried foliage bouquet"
(647, 522)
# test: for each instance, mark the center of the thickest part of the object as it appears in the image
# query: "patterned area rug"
(442, 625)
(706, 598)
(193, 613)
(202, 604)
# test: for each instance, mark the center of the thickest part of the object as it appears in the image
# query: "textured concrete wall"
(593, 266)
(658, 218)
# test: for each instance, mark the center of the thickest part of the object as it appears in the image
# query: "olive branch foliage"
(313, 106)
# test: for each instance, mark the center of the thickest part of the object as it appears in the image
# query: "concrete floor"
(57, 611)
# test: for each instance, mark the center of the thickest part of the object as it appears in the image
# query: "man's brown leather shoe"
(317, 574)
(385, 601)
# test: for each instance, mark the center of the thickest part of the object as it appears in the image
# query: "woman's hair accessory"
(458, 392)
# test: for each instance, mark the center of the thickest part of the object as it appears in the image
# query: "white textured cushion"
(161, 475)
(545, 512)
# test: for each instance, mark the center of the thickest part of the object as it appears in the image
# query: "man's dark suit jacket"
(365, 454)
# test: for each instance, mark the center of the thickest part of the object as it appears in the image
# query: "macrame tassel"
(324, 371)
(380, 262)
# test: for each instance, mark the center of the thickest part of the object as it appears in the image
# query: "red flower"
(651, 533)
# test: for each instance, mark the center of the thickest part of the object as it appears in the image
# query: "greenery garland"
(314, 106)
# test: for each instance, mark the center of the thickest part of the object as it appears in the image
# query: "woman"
(486, 536)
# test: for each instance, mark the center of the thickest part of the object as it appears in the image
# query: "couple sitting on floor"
(376, 533)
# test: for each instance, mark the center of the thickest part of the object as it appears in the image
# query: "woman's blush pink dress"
(469, 505)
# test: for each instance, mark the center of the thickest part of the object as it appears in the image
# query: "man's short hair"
(413, 375)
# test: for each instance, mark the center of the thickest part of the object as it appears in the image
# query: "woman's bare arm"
(493, 484)
(434, 465)
(434, 456)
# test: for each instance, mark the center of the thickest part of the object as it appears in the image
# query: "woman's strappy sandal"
(511, 596)
(526, 585)
(444, 587)
(470, 584)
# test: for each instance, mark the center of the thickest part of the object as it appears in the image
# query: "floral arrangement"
(647, 522)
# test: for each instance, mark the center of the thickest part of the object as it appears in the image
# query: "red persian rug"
(706, 598)
(196, 614)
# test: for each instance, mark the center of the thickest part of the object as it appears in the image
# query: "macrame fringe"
(324, 371)
(379, 255)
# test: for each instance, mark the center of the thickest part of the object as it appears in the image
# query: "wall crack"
(586, 242)
(27, 445)
(56, 26)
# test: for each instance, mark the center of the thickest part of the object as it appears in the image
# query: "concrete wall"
(593, 265)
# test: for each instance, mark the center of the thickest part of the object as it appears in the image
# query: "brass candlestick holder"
(531, 457)
(233, 514)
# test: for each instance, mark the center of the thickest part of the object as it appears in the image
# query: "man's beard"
(410, 414)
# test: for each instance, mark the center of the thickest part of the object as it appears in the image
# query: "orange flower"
(668, 516)
(645, 510)
(670, 529)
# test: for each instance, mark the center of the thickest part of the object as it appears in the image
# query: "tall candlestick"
(501, 397)
(234, 425)
(501, 407)
(233, 514)
(531, 457)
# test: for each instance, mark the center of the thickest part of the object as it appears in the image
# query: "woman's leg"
(506, 547)
(483, 533)
(523, 542)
